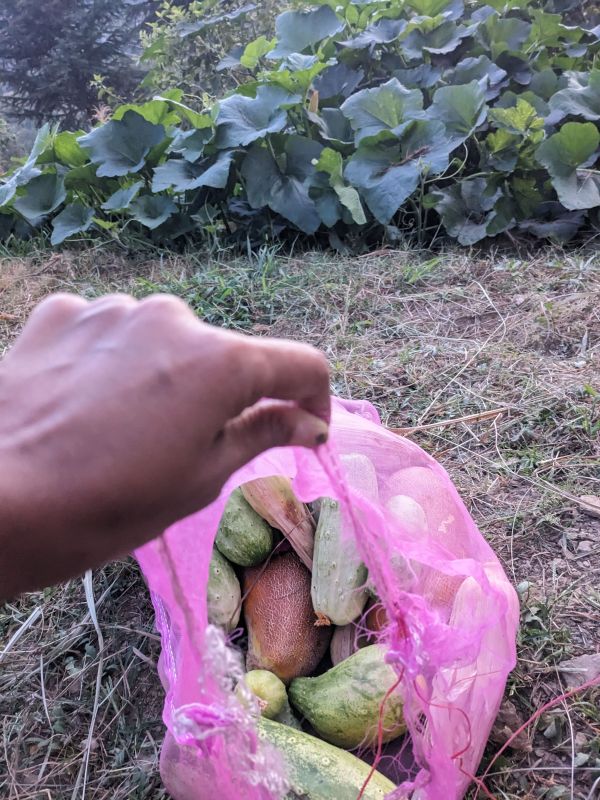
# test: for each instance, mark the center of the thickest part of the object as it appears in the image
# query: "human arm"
(118, 417)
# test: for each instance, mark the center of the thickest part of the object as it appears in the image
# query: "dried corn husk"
(343, 643)
(274, 499)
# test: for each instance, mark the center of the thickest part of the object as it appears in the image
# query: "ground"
(428, 340)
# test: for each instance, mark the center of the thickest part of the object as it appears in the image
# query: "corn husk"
(274, 499)
(343, 643)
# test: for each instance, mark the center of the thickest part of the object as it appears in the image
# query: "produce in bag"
(224, 595)
(269, 691)
(451, 658)
(274, 500)
(344, 704)
(320, 771)
(339, 577)
(244, 537)
(282, 636)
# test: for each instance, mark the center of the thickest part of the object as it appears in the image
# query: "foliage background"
(384, 120)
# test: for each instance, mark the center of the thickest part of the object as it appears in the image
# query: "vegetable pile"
(360, 120)
(311, 624)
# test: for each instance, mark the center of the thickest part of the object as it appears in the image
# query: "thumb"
(264, 426)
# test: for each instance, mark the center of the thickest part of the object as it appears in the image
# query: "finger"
(104, 313)
(49, 319)
(262, 427)
(56, 311)
(282, 370)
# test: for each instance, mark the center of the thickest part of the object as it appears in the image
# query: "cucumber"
(319, 771)
(343, 704)
(339, 577)
(243, 536)
(270, 691)
(223, 594)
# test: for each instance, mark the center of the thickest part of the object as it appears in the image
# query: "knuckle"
(58, 307)
(163, 305)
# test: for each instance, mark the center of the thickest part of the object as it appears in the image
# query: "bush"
(50, 53)
(375, 120)
(186, 46)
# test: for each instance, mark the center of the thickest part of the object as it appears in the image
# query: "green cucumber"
(319, 771)
(343, 704)
(223, 594)
(243, 536)
(339, 577)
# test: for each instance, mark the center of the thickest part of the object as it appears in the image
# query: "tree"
(50, 52)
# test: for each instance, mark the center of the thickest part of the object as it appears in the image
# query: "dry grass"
(426, 340)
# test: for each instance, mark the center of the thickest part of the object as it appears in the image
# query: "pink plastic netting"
(453, 614)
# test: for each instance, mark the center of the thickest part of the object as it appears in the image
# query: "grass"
(426, 340)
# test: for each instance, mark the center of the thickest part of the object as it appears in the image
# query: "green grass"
(426, 340)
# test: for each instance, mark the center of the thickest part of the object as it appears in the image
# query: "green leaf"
(74, 218)
(256, 50)
(80, 179)
(284, 187)
(120, 146)
(350, 199)
(182, 176)
(105, 224)
(121, 199)
(338, 80)
(43, 195)
(24, 174)
(242, 120)
(570, 148)
(431, 8)
(385, 107)
(388, 172)
(544, 83)
(578, 100)
(383, 31)
(444, 38)
(461, 108)
(503, 150)
(561, 228)
(510, 99)
(20, 177)
(472, 210)
(504, 35)
(152, 210)
(527, 195)
(331, 163)
(521, 119)
(480, 69)
(294, 81)
(422, 77)
(334, 127)
(173, 98)
(158, 112)
(191, 144)
(68, 151)
(297, 30)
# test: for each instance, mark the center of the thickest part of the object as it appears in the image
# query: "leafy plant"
(359, 120)
(186, 45)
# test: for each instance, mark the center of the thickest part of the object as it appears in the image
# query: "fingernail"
(309, 431)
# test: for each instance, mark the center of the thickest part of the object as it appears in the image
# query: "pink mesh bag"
(451, 637)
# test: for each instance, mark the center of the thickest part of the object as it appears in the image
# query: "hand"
(118, 417)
